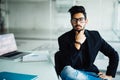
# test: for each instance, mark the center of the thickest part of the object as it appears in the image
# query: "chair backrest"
(59, 62)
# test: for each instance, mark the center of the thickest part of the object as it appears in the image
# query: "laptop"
(8, 47)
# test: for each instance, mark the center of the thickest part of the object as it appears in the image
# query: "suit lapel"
(89, 40)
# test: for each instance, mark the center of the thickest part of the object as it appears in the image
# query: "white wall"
(100, 14)
(35, 15)
(119, 16)
(29, 15)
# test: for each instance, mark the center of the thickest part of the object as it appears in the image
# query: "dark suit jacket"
(95, 44)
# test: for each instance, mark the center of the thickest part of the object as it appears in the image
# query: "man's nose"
(78, 22)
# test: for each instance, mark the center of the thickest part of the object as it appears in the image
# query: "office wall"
(119, 15)
(100, 14)
(29, 15)
(38, 16)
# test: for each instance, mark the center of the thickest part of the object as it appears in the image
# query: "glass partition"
(46, 20)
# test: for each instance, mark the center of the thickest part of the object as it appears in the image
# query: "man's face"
(78, 21)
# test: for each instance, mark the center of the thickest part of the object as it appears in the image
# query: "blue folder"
(16, 76)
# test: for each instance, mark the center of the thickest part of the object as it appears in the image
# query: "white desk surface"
(44, 70)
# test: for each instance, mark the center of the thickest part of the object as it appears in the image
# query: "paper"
(36, 56)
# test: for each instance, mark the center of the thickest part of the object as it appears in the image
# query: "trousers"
(69, 73)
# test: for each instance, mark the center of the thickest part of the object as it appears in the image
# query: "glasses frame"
(75, 20)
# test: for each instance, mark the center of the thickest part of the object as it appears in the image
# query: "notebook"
(8, 47)
(16, 76)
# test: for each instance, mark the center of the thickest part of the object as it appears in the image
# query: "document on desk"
(36, 56)
(16, 76)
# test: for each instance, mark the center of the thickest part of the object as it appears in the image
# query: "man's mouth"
(78, 27)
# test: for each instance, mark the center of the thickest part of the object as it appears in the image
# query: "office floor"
(38, 41)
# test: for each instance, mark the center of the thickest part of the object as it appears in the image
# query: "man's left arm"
(107, 50)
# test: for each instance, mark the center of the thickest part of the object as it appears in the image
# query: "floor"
(37, 41)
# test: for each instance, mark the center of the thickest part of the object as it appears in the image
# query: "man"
(78, 49)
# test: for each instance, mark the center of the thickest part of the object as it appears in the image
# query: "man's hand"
(103, 76)
(80, 36)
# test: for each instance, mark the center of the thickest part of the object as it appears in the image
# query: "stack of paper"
(16, 76)
(36, 56)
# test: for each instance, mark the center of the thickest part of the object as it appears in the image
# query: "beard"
(82, 28)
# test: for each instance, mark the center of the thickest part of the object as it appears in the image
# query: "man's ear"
(86, 21)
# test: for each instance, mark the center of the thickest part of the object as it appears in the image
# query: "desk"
(45, 70)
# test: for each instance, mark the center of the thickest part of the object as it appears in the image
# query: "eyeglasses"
(74, 20)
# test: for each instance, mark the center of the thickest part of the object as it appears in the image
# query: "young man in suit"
(78, 49)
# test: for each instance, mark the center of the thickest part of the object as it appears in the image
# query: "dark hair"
(77, 9)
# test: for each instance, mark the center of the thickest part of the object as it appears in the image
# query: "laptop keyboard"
(11, 54)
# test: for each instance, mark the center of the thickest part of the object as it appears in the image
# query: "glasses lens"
(79, 19)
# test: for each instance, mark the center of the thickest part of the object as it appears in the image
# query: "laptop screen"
(7, 43)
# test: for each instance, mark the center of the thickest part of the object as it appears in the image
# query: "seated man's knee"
(68, 69)
(68, 72)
